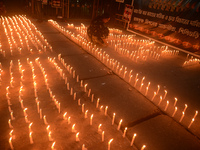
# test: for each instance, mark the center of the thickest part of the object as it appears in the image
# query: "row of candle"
(191, 62)
(92, 99)
(72, 92)
(21, 104)
(175, 52)
(141, 53)
(167, 52)
(22, 27)
(98, 53)
(131, 43)
(86, 112)
(21, 71)
(52, 96)
(40, 36)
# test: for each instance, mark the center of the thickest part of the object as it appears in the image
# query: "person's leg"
(38, 10)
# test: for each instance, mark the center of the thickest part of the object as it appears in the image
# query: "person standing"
(97, 31)
(38, 10)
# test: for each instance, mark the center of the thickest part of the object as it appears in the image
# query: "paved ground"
(154, 127)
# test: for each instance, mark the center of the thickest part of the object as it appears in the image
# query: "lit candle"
(113, 119)
(143, 147)
(7, 89)
(85, 87)
(53, 146)
(91, 117)
(185, 108)
(11, 134)
(99, 128)
(64, 116)
(47, 128)
(136, 77)
(29, 127)
(167, 105)
(160, 100)
(165, 94)
(109, 143)
(86, 113)
(142, 80)
(102, 136)
(130, 78)
(133, 139)
(153, 96)
(141, 86)
(182, 116)
(106, 109)
(45, 120)
(10, 143)
(9, 123)
(146, 91)
(136, 82)
(175, 101)
(195, 114)
(73, 128)
(119, 125)
(97, 105)
(101, 108)
(77, 138)
(124, 134)
(30, 138)
(11, 115)
(158, 89)
(191, 123)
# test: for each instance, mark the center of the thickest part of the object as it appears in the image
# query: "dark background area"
(77, 8)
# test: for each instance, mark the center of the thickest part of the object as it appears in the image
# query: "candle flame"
(110, 141)
(52, 146)
(77, 134)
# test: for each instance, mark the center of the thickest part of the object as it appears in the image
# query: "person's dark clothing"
(97, 31)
